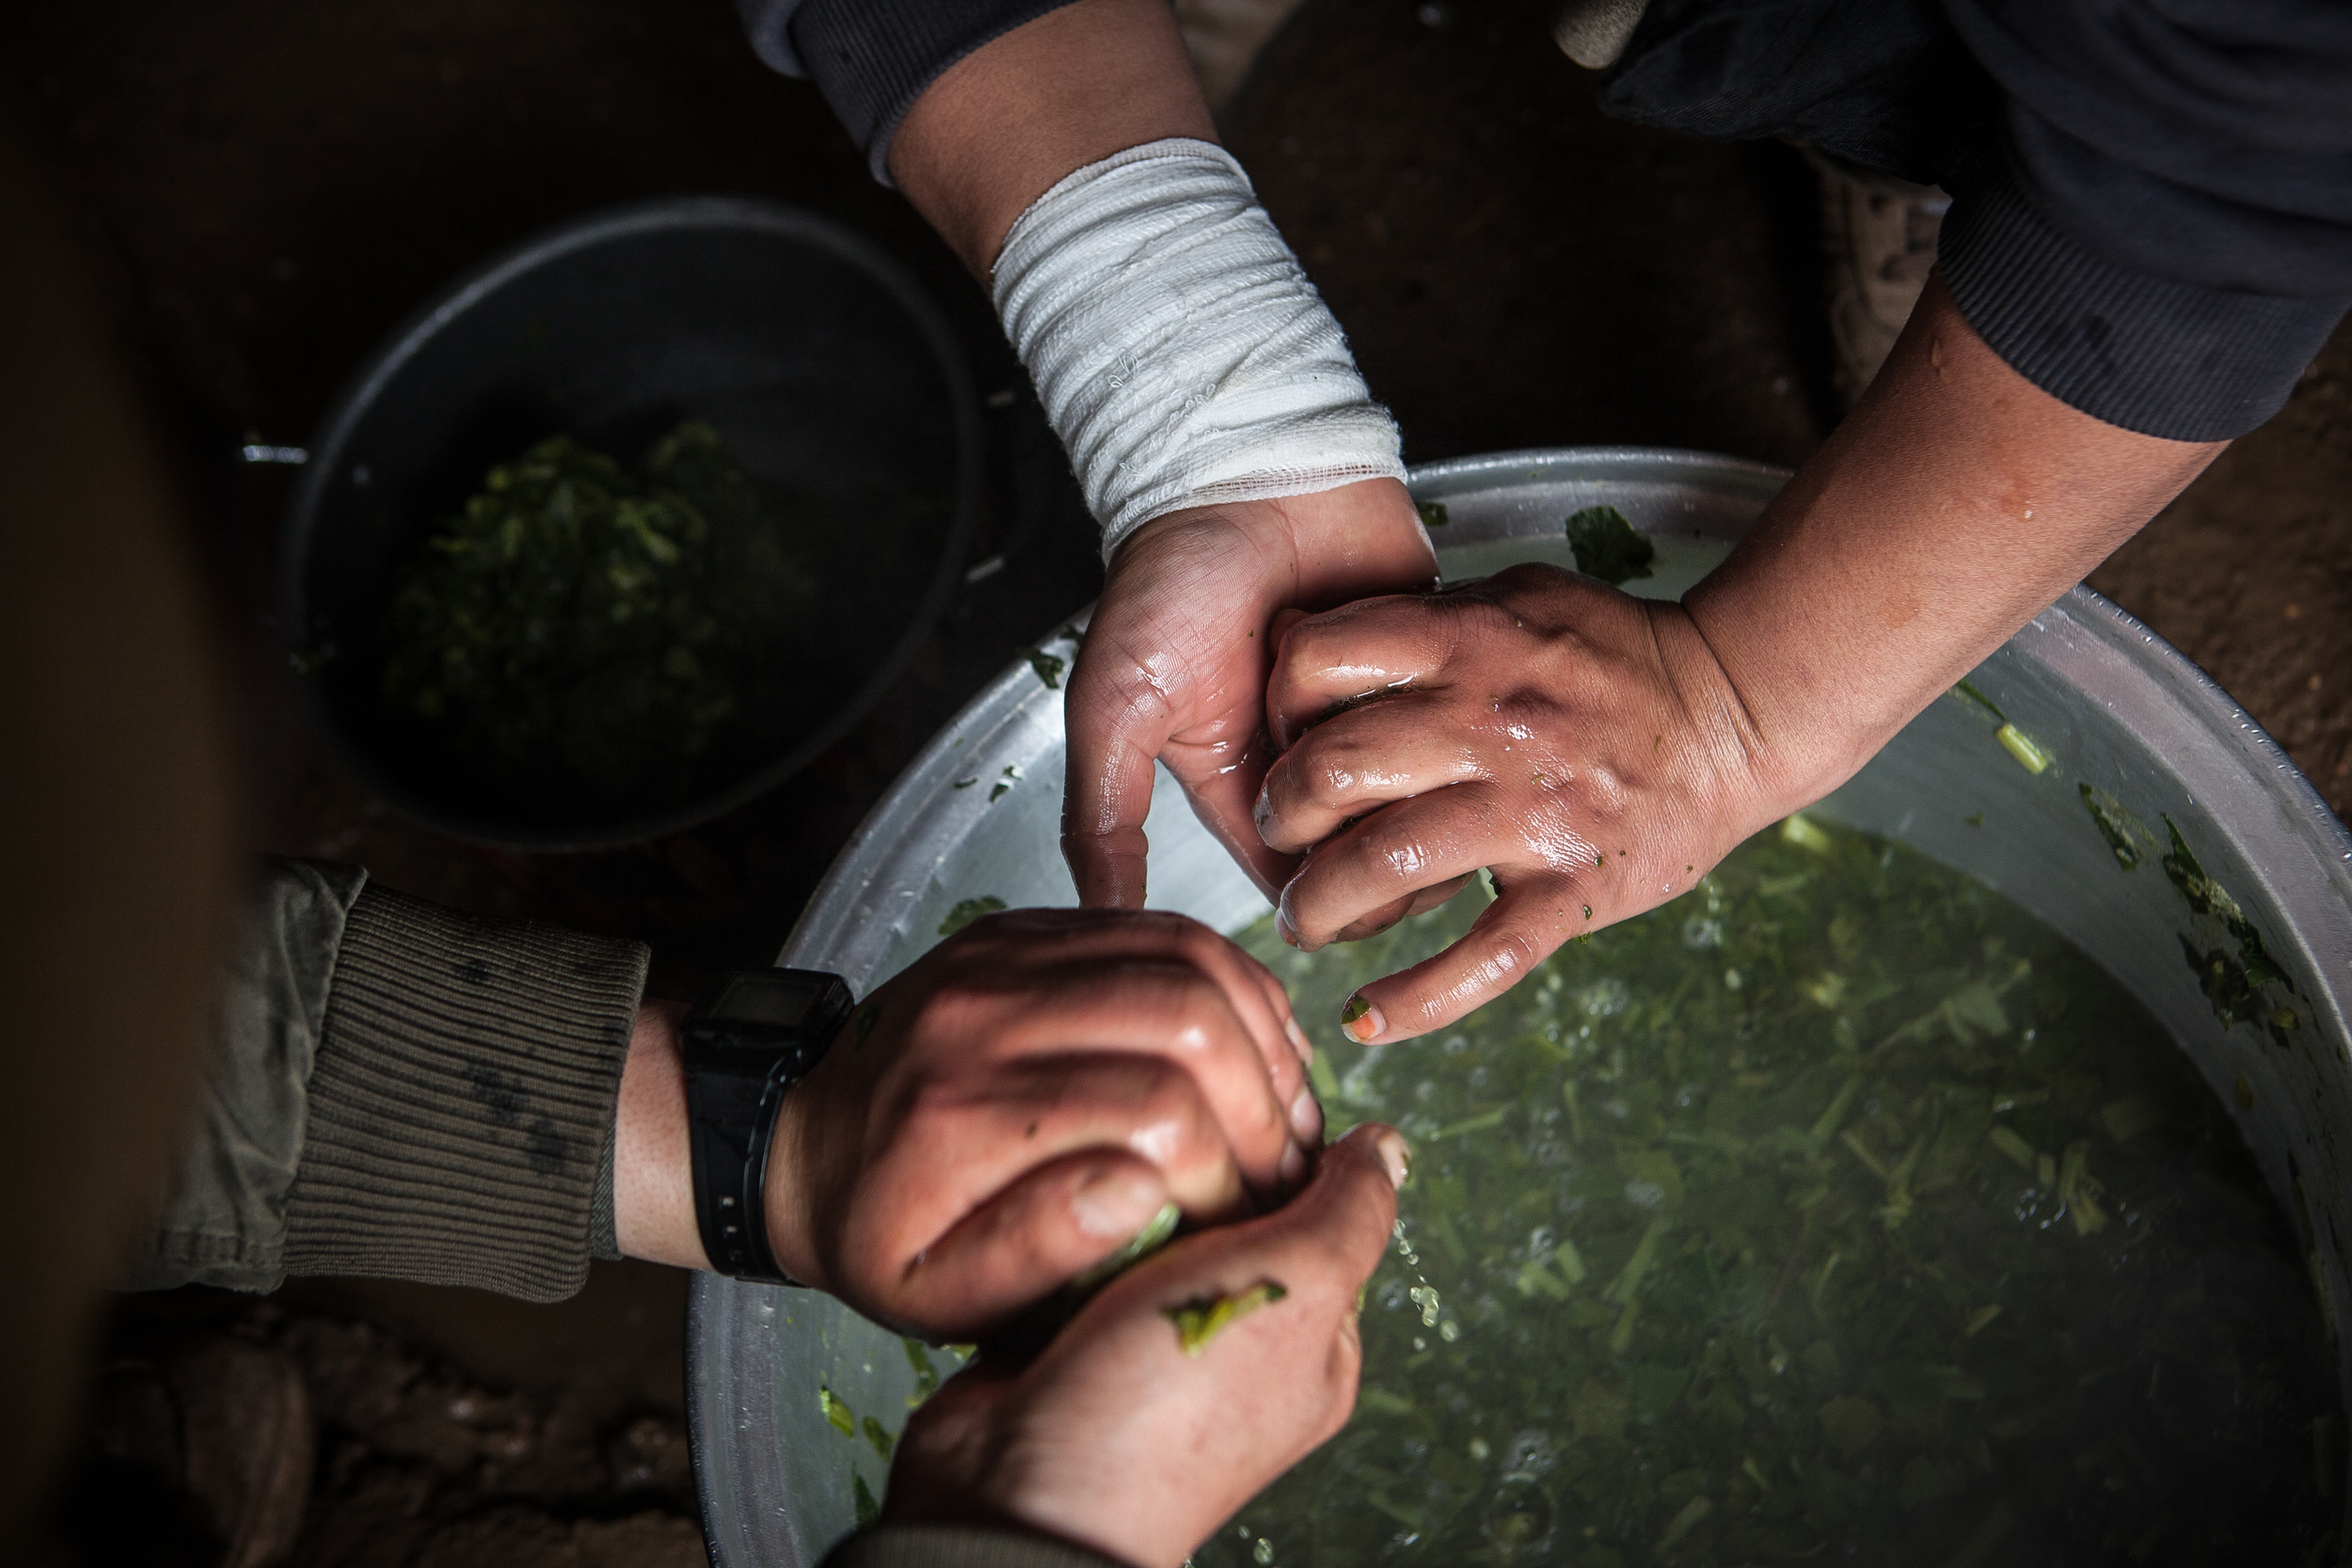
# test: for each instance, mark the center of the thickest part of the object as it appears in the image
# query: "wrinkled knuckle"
(1516, 952)
(944, 1013)
(1194, 942)
(1164, 1093)
(1330, 778)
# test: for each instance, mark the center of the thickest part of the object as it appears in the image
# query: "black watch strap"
(758, 1031)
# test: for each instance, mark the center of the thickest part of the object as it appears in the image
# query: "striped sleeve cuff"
(462, 1098)
(2146, 354)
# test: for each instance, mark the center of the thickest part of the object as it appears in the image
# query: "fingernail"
(1112, 1205)
(1300, 1042)
(1293, 1167)
(1307, 1117)
(1361, 1019)
(1282, 927)
(1397, 1155)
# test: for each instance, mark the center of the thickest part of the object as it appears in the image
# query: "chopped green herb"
(2014, 1146)
(1047, 666)
(1154, 1235)
(968, 910)
(1794, 1248)
(1205, 1318)
(836, 1412)
(1967, 688)
(2127, 1119)
(1432, 514)
(1607, 546)
(926, 1375)
(879, 1437)
(1799, 829)
(2118, 826)
(579, 624)
(1325, 1082)
(2233, 986)
(862, 1497)
(2021, 746)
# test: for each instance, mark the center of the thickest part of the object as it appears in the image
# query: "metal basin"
(2117, 707)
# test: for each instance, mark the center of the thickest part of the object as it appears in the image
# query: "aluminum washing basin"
(2116, 706)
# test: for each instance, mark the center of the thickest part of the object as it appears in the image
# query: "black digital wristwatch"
(757, 1033)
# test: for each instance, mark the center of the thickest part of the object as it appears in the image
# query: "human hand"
(1581, 744)
(1175, 660)
(1120, 1439)
(1019, 1104)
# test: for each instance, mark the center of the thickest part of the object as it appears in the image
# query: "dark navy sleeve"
(2160, 230)
(872, 58)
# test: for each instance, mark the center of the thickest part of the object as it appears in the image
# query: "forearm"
(1953, 505)
(1001, 126)
(653, 1183)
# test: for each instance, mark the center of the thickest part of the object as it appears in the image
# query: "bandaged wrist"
(1178, 350)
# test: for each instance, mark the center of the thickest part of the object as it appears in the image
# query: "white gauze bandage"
(1180, 352)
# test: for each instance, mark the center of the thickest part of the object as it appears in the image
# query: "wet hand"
(1175, 661)
(1024, 1100)
(1140, 1429)
(1583, 746)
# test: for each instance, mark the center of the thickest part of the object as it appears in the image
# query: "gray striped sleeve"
(461, 1101)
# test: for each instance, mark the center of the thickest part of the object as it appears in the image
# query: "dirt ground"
(282, 181)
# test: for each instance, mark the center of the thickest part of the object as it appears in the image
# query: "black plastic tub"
(833, 380)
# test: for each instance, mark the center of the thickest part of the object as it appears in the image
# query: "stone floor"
(283, 182)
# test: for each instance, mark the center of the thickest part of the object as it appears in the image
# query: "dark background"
(280, 181)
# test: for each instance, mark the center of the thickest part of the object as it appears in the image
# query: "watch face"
(782, 1000)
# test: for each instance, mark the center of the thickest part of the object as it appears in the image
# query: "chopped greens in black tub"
(583, 626)
(1837, 1211)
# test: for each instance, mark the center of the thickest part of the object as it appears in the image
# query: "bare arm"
(1955, 503)
(1600, 754)
(1176, 657)
(1002, 125)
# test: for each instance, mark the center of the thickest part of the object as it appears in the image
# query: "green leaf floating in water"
(2233, 986)
(2118, 826)
(968, 910)
(1205, 1318)
(1606, 546)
